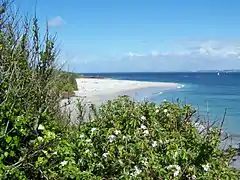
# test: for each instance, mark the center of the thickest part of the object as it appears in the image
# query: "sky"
(142, 35)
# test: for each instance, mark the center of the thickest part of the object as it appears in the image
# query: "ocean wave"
(181, 86)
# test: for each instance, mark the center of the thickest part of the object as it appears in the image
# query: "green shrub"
(67, 81)
(130, 140)
(28, 100)
(124, 140)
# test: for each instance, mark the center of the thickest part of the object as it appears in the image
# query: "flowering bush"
(130, 140)
(124, 140)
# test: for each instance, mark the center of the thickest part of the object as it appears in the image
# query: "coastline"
(99, 90)
(110, 88)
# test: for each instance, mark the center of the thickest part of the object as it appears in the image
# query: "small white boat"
(218, 73)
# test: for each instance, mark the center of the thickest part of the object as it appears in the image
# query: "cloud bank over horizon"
(188, 56)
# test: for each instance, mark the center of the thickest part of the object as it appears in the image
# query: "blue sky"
(144, 35)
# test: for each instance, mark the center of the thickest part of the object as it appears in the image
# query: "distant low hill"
(226, 70)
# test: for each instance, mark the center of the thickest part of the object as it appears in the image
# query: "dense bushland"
(124, 140)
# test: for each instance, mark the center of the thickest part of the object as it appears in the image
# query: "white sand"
(98, 91)
(94, 87)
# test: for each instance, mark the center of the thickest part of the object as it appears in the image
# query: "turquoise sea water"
(209, 92)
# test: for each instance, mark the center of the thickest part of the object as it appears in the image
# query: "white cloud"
(192, 55)
(131, 54)
(207, 49)
(56, 22)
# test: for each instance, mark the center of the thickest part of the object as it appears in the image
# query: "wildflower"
(105, 154)
(93, 129)
(146, 132)
(63, 163)
(87, 151)
(143, 127)
(55, 153)
(154, 144)
(175, 174)
(165, 110)
(176, 168)
(88, 140)
(39, 138)
(111, 138)
(157, 111)
(137, 170)
(200, 128)
(168, 115)
(81, 136)
(41, 127)
(206, 167)
(144, 161)
(143, 118)
(117, 132)
(194, 177)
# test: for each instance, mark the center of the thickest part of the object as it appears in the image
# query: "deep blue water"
(207, 91)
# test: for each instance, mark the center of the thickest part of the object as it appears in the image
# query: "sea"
(216, 96)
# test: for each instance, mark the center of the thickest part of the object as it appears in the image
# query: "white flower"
(200, 128)
(39, 138)
(143, 118)
(105, 154)
(157, 111)
(93, 129)
(176, 168)
(111, 138)
(117, 132)
(143, 127)
(87, 151)
(63, 163)
(145, 132)
(137, 170)
(175, 173)
(81, 136)
(165, 110)
(41, 127)
(154, 144)
(88, 140)
(194, 177)
(55, 153)
(206, 167)
(168, 115)
(145, 161)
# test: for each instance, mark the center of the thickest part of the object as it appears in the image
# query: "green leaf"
(6, 154)
(8, 139)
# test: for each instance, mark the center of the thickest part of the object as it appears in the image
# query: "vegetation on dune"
(67, 83)
(124, 140)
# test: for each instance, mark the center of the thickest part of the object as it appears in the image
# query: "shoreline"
(98, 91)
(90, 88)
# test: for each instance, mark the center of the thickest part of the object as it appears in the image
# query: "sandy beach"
(90, 88)
(97, 91)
